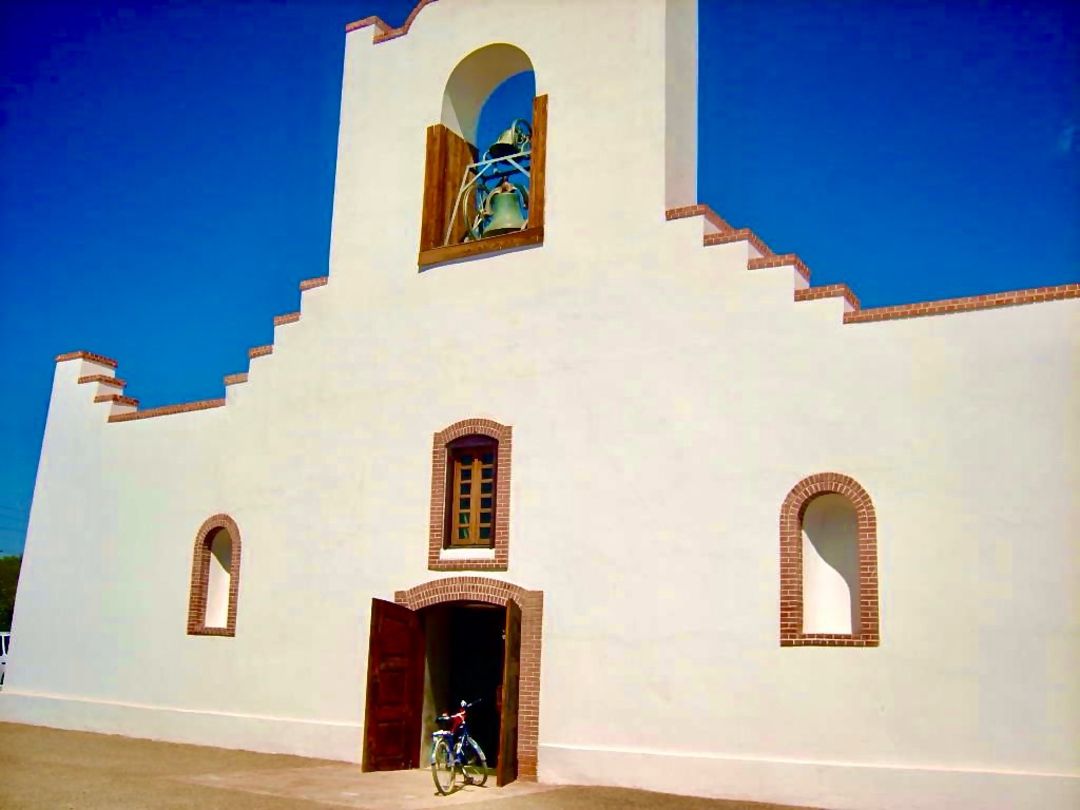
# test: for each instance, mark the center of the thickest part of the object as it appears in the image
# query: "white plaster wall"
(664, 400)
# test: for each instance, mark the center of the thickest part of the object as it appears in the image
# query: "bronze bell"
(512, 140)
(506, 205)
(505, 144)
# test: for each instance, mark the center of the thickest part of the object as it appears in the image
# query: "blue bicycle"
(453, 750)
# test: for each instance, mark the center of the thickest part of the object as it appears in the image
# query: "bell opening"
(488, 150)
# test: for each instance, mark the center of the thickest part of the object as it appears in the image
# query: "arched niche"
(215, 578)
(473, 80)
(828, 564)
(451, 149)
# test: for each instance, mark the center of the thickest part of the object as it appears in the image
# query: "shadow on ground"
(48, 769)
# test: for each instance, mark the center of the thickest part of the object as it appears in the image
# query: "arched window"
(470, 497)
(481, 197)
(215, 578)
(828, 564)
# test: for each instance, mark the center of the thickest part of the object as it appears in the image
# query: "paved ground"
(46, 769)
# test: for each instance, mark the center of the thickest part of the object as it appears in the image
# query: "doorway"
(464, 658)
(424, 662)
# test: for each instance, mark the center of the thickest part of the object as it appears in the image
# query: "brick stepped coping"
(947, 306)
(828, 291)
(726, 234)
(385, 32)
(100, 359)
(918, 309)
(119, 398)
(783, 260)
(229, 379)
(699, 210)
(167, 410)
(739, 235)
(115, 382)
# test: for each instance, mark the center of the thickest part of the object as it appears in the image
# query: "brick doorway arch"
(496, 592)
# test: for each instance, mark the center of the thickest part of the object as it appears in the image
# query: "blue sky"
(167, 168)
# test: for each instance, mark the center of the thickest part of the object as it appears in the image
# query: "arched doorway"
(411, 668)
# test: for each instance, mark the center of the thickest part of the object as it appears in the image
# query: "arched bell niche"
(473, 81)
(453, 226)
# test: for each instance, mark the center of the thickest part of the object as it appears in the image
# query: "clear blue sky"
(166, 168)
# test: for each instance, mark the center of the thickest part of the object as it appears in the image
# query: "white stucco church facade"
(686, 521)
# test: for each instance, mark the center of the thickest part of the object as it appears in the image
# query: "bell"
(506, 213)
(513, 140)
(505, 144)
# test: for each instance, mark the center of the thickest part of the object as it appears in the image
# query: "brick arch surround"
(791, 563)
(496, 592)
(200, 575)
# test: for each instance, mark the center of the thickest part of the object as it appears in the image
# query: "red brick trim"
(739, 235)
(168, 410)
(918, 309)
(698, 210)
(200, 578)
(949, 306)
(312, 283)
(260, 351)
(496, 592)
(114, 382)
(291, 317)
(234, 379)
(100, 359)
(118, 398)
(782, 260)
(791, 563)
(503, 434)
(385, 32)
(828, 291)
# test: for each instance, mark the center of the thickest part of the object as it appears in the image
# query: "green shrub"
(9, 581)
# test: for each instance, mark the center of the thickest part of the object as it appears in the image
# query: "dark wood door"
(508, 733)
(395, 687)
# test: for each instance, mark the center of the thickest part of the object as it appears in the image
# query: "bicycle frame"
(454, 751)
(457, 737)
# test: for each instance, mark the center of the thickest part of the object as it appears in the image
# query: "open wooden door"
(395, 688)
(508, 733)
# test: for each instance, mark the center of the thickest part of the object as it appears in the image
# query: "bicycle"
(452, 749)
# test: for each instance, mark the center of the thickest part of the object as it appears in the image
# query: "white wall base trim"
(833, 785)
(266, 734)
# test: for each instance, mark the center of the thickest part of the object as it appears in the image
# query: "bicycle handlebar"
(464, 705)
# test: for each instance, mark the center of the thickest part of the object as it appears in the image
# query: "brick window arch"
(215, 578)
(850, 524)
(496, 592)
(469, 527)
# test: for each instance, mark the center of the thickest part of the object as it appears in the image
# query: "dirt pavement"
(47, 769)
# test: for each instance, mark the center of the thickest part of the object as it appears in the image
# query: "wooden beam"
(539, 162)
(493, 244)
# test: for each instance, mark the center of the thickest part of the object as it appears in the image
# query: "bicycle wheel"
(443, 770)
(474, 764)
